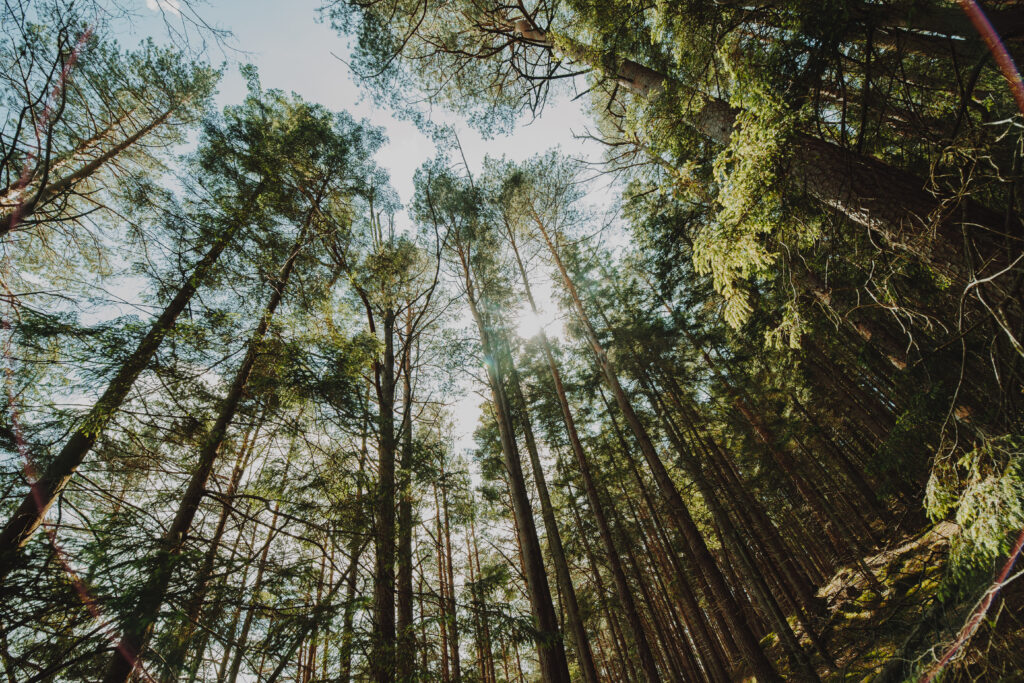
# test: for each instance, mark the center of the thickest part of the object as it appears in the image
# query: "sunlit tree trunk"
(578, 632)
(551, 653)
(725, 608)
(622, 591)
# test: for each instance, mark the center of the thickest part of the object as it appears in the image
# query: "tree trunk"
(725, 607)
(10, 221)
(140, 626)
(623, 593)
(405, 657)
(550, 651)
(382, 657)
(889, 201)
(175, 656)
(250, 613)
(577, 630)
(45, 490)
(453, 619)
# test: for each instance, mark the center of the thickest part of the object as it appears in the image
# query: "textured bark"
(890, 202)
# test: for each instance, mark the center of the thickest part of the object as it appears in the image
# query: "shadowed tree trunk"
(140, 625)
(45, 490)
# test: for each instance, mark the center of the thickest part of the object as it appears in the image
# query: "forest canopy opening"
(421, 340)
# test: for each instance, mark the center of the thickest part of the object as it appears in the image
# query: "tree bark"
(140, 625)
(888, 201)
(45, 490)
(405, 657)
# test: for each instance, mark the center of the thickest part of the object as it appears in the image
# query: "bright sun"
(530, 324)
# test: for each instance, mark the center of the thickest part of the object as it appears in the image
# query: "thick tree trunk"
(888, 201)
(382, 658)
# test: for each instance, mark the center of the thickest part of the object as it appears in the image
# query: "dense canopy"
(739, 398)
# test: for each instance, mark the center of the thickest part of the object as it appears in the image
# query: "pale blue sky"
(295, 52)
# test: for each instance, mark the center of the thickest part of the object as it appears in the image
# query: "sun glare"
(531, 324)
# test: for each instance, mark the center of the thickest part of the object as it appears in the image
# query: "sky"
(295, 52)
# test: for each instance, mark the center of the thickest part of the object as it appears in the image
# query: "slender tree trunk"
(453, 620)
(175, 656)
(576, 629)
(214, 615)
(311, 623)
(623, 593)
(625, 662)
(45, 490)
(550, 650)
(250, 613)
(9, 221)
(405, 657)
(754, 581)
(725, 608)
(489, 675)
(713, 644)
(442, 598)
(140, 626)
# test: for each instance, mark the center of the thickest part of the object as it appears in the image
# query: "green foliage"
(985, 495)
